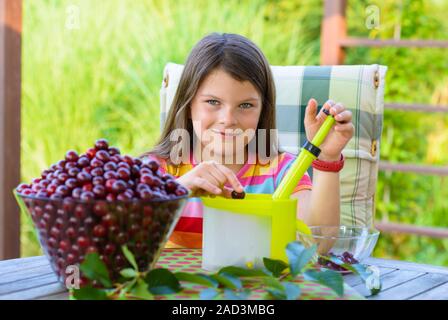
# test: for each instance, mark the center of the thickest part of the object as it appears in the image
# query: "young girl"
(227, 88)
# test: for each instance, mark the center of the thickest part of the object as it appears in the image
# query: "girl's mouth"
(227, 133)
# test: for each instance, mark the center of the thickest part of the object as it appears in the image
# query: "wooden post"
(10, 89)
(334, 29)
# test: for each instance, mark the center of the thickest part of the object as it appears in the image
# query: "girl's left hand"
(339, 134)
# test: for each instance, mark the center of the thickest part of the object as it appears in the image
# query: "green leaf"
(299, 256)
(275, 266)
(328, 278)
(292, 290)
(201, 279)
(128, 254)
(278, 294)
(208, 294)
(227, 280)
(233, 295)
(372, 281)
(89, 293)
(243, 272)
(129, 273)
(140, 290)
(282, 290)
(162, 281)
(95, 269)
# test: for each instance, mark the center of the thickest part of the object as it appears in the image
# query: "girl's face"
(224, 110)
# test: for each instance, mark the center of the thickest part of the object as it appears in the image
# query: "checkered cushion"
(360, 88)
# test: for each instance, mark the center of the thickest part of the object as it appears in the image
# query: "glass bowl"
(68, 229)
(348, 243)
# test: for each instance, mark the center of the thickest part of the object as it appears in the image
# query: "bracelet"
(329, 166)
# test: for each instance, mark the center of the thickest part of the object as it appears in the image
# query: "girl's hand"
(339, 134)
(209, 177)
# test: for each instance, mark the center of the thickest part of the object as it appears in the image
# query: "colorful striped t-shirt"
(255, 178)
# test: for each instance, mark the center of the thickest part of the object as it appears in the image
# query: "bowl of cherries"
(99, 201)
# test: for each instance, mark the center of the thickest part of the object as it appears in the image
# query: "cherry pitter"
(241, 232)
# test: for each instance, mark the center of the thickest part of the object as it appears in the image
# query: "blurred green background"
(93, 68)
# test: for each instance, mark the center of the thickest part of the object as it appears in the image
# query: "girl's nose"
(227, 116)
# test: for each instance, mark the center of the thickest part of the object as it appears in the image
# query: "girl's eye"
(246, 105)
(212, 102)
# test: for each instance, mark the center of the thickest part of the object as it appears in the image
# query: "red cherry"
(98, 181)
(118, 186)
(110, 175)
(124, 173)
(99, 231)
(110, 166)
(83, 161)
(99, 191)
(97, 172)
(102, 155)
(71, 155)
(113, 151)
(101, 144)
(91, 153)
(83, 242)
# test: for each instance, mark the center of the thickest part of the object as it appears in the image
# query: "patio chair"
(359, 87)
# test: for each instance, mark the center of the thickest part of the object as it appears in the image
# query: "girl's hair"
(240, 58)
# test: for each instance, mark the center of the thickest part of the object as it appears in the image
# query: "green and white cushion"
(360, 88)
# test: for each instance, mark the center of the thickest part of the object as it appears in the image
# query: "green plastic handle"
(302, 163)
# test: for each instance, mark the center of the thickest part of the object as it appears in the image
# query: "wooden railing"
(10, 74)
(334, 41)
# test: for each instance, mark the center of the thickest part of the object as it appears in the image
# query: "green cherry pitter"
(241, 232)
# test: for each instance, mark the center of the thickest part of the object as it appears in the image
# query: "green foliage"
(227, 283)
(93, 69)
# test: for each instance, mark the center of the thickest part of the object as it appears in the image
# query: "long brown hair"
(240, 58)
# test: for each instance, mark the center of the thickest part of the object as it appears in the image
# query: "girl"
(227, 88)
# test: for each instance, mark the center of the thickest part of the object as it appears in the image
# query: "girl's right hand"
(208, 178)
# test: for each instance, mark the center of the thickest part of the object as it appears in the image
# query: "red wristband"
(329, 166)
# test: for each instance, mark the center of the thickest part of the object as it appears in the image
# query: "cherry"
(70, 165)
(101, 144)
(83, 161)
(153, 165)
(238, 195)
(110, 166)
(76, 193)
(109, 248)
(100, 208)
(96, 163)
(97, 172)
(113, 151)
(99, 191)
(98, 181)
(102, 155)
(87, 195)
(83, 242)
(73, 172)
(124, 173)
(83, 177)
(71, 183)
(91, 153)
(71, 155)
(110, 175)
(99, 231)
(119, 186)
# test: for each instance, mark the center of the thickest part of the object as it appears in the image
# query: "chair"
(359, 87)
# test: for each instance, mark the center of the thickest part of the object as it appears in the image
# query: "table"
(33, 278)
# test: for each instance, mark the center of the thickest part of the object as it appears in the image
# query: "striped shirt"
(255, 178)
